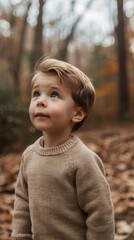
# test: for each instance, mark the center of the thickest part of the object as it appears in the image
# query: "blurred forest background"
(97, 36)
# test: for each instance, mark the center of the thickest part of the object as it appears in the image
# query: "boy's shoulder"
(28, 150)
(32, 147)
(85, 157)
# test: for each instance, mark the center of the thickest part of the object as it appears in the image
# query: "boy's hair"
(82, 90)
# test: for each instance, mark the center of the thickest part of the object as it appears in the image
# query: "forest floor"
(115, 146)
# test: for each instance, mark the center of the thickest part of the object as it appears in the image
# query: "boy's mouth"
(42, 115)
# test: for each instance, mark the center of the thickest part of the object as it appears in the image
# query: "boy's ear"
(79, 115)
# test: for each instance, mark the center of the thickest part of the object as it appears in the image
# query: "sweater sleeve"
(21, 223)
(95, 199)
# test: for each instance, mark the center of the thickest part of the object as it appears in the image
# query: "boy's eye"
(54, 94)
(35, 93)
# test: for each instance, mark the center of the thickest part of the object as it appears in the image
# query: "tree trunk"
(15, 55)
(38, 40)
(122, 59)
(17, 66)
(62, 52)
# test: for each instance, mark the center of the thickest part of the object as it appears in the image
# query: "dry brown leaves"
(115, 146)
(9, 166)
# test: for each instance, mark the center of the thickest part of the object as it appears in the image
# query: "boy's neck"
(54, 140)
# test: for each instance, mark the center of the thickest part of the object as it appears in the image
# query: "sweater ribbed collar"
(55, 150)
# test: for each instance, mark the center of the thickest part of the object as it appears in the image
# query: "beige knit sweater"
(62, 194)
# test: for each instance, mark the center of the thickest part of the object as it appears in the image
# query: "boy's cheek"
(30, 111)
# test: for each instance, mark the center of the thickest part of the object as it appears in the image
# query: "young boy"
(61, 191)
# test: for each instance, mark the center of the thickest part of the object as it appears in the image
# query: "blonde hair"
(82, 90)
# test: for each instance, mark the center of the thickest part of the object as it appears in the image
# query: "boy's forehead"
(43, 77)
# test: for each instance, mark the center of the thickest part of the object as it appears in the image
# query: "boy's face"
(52, 108)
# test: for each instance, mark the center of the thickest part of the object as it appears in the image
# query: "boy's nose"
(41, 103)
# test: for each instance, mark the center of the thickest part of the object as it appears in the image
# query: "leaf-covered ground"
(115, 146)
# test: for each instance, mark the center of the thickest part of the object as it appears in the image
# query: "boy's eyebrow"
(55, 87)
(35, 86)
(51, 86)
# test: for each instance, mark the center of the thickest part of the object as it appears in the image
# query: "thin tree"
(17, 65)
(15, 46)
(63, 46)
(123, 90)
(38, 39)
